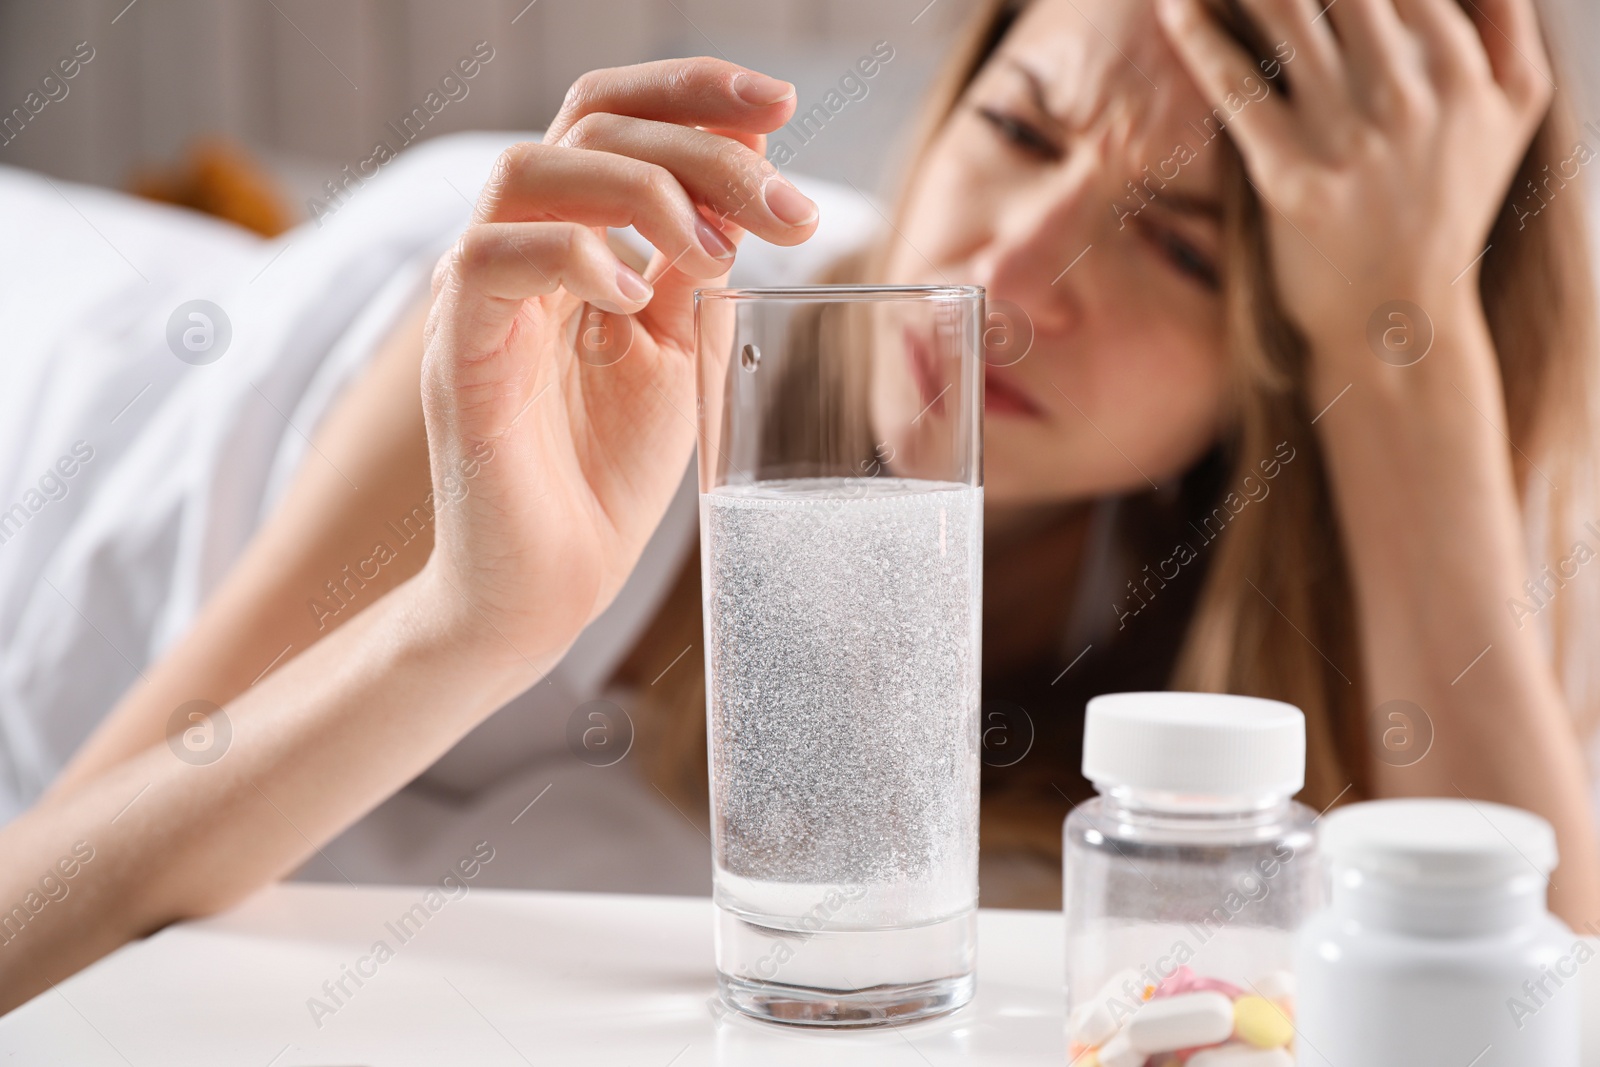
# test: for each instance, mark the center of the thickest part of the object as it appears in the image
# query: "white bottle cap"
(1210, 744)
(1440, 842)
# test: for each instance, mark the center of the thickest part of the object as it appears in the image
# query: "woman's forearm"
(314, 746)
(1422, 472)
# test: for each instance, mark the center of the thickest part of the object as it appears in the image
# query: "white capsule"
(1118, 987)
(1094, 1021)
(1091, 1023)
(1279, 985)
(1187, 1020)
(1234, 1055)
(1119, 1052)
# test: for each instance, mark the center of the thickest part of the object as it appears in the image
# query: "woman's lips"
(1002, 396)
(922, 370)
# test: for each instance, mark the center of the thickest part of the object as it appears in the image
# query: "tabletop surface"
(500, 977)
(493, 977)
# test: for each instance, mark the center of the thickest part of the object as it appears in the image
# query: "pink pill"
(1184, 980)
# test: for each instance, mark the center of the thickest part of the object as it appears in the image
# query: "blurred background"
(248, 107)
(188, 99)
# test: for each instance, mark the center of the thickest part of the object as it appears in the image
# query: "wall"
(312, 83)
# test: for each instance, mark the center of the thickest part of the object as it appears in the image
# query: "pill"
(1279, 985)
(1227, 989)
(1119, 1052)
(1092, 1023)
(1259, 1022)
(1187, 1020)
(1232, 1055)
(1126, 986)
(1184, 980)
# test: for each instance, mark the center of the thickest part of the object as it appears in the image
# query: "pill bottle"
(1184, 881)
(1436, 946)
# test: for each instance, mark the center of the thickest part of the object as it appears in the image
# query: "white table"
(498, 977)
(494, 977)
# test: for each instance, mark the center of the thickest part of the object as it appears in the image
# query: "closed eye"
(1183, 256)
(1021, 134)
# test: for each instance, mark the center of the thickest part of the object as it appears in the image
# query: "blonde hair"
(1273, 613)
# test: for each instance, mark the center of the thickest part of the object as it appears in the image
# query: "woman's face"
(1059, 183)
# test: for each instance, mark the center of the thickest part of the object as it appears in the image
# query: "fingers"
(1468, 42)
(1509, 30)
(544, 182)
(725, 175)
(1220, 68)
(1389, 56)
(673, 149)
(688, 92)
(1315, 69)
(1372, 32)
(1456, 55)
(1395, 72)
(481, 283)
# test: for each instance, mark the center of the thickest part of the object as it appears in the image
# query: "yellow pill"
(1259, 1022)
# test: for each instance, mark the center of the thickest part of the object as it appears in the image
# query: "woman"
(1201, 304)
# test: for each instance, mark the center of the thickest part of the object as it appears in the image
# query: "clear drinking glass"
(841, 522)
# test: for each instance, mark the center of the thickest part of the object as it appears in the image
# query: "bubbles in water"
(843, 630)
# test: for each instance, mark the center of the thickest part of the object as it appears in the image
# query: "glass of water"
(841, 534)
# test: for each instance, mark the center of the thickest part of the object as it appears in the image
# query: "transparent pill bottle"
(1436, 945)
(1184, 882)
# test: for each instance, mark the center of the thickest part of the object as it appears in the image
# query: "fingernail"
(633, 288)
(788, 203)
(712, 240)
(759, 90)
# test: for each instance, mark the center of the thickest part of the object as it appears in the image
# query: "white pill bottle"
(1185, 880)
(1436, 946)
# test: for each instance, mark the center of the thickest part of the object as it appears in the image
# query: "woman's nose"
(1037, 244)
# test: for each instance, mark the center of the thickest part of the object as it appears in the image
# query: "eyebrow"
(1035, 89)
(1179, 203)
(1188, 204)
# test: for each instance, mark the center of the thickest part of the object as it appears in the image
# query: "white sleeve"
(173, 462)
